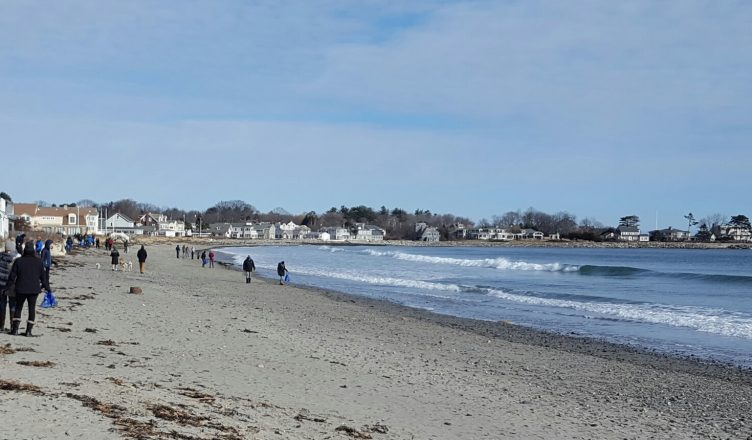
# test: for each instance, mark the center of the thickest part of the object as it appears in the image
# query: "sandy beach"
(202, 355)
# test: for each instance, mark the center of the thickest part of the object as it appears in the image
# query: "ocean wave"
(705, 320)
(493, 263)
(627, 271)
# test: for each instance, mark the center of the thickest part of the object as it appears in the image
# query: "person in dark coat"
(6, 296)
(141, 255)
(47, 259)
(203, 259)
(281, 271)
(28, 276)
(177, 251)
(248, 267)
(96, 243)
(125, 246)
(115, 255)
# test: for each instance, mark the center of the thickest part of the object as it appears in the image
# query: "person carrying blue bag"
(284, 276)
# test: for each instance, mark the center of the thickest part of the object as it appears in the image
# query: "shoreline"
(202, 355)
(518, 333)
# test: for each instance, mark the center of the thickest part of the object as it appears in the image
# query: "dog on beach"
(129, 266)
(98, 266)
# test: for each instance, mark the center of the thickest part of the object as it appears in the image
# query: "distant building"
(669, 234)
(735, 233)
(121, 223)
(364, 232)
(627, 233)
(64, 219)
(532, 234)
(423, 232)
(6, 211)
(457, 231)
(336, 233)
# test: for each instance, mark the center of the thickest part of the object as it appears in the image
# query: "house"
(6, 211)
(532, 234)
(265, 230)
(735, 233)
(627, 233)
(669, 234)
(121, 223)
(67, 220)
(220, 229)
(493, 234)
(284, 231)
(423, 232)
(364, 232)
(478, 234)
(323, 236)
(300, 232)
(644, 238)
(457, 231)
(336, 233)
(171, 228)
(150, 219)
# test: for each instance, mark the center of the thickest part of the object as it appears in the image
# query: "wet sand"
(202, 355)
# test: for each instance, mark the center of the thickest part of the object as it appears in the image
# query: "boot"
(29, 326)
(2, 321)
(14, 327)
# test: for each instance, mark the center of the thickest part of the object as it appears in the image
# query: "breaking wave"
(493, 263)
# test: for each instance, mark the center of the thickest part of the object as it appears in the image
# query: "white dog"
(98, 266)
(130, 266)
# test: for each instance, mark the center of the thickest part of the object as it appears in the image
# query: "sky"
(475, 108)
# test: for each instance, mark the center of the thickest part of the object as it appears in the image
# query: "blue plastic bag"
(49, 300)
(287, 277)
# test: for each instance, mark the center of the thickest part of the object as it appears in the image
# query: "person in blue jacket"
(47, 259)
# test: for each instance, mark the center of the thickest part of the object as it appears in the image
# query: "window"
(72, 219)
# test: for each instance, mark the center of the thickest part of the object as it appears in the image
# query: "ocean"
(679, 301)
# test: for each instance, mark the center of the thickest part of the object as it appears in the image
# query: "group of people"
(205, 258)
(22, 277)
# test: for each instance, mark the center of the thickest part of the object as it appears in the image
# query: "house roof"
(123, 216)
(623, 229)
(34, 210)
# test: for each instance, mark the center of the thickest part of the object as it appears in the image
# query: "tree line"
(397, 222)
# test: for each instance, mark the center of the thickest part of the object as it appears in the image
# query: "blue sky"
(602, 109)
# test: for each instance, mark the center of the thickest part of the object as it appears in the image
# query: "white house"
(121, 223)
(6, 210)
(323, 236)
(336, 234)
(61, 219)
(532, 234)
(364, 232)
(171, 228)
(736, 233)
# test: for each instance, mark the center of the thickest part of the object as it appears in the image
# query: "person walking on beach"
(141, 255)
(28, 277)
(96, 243)
(125, 246)
(47, 259)
(6, 264)
(115, 255)
(282, 272)
(193, 251)
(248, 267)
(177, 251)
(203, 259)
(211, 258)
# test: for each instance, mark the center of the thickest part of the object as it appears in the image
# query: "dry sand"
(202, 355)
